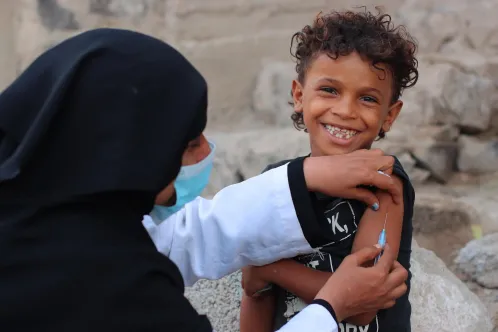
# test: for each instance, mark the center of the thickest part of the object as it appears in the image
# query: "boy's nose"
(345, 109)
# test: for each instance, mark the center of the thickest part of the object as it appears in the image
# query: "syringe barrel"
(382, 238)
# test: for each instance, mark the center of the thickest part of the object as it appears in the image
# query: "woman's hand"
(342, 175)
(353, 289)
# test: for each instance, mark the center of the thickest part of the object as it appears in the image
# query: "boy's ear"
(392, 114)
(297, 96)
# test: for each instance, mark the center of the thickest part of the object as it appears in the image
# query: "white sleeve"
(250, 223)
(312, 318)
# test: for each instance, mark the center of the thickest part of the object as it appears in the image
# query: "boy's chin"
(332, 150)
(329, 149)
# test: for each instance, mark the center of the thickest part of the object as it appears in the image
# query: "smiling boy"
(351, 70)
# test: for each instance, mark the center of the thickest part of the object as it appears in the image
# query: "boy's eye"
(328, 89)
(369, 99)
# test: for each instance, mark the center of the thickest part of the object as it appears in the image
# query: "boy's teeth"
(340, 133)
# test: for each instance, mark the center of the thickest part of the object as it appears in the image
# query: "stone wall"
(242, 48)
(449, 123)
(227, 40)
(231, 41)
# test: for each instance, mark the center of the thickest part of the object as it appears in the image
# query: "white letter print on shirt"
(334, 221)
(346, 327)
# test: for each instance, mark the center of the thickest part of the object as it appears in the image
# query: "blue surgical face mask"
(189, 184)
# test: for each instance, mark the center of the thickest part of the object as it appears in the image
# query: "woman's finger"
(364, 195)
(365, 255)
(377, 152)
(386, 170)
(365, 153)
(383, 182)
(384, 265)
(389, 304)
(384, 163)
(396, 265)
(396, 277)
(398, 292)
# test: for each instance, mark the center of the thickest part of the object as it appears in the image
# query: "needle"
(382, 240)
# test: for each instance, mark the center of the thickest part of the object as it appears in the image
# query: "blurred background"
(446, 136)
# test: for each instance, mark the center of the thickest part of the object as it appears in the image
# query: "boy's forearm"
(256, 314)
(298, 279)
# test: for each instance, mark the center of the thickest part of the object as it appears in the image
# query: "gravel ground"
(220, 300)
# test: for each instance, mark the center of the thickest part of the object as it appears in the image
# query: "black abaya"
(89, 134)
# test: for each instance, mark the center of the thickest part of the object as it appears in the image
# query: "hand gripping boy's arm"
(371, 225)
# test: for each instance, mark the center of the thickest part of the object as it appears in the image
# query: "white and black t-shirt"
(338, 221)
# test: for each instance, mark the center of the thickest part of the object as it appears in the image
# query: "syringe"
(382, 240)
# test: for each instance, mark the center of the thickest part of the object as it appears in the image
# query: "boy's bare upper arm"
(372, 222)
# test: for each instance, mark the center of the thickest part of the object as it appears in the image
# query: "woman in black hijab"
(90, 133)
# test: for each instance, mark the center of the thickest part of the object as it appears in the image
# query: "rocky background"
(446, 136)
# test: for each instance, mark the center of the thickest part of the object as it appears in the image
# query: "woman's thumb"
(366, 196)
(367, 254)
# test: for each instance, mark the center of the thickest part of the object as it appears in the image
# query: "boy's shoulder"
(280, 163)
(409, 191)
(397, 168)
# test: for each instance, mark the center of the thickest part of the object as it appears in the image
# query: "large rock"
(416, 174)
(436, 295)
(447, 94)
(477, 156)
(469, 60)
(442, 224)
(479, 261)
(433, 25)
(134, 8)
(440, 301)
(432, 147)
(438, 23)
(484, 200)
(437, 157)
(466, 59)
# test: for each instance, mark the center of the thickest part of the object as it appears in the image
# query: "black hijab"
(89, 134)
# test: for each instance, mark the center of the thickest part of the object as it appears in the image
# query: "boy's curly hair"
(372, 36)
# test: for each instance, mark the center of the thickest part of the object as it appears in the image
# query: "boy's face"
(345, 103)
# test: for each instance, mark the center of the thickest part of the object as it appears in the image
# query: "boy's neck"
(315, 154)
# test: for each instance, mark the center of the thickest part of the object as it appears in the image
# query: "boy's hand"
(252, 281)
